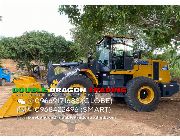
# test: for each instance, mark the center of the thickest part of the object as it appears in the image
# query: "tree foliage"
(153, 27)
(157, 25)
(40, 47)
(172, 56)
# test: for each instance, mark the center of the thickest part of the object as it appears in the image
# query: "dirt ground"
(165, 120)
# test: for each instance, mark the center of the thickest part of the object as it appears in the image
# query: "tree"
(172, 57)
(37, 46)
(156, 25)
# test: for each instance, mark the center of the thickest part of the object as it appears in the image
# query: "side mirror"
(137, 55)
(90, 56)
(62, 61)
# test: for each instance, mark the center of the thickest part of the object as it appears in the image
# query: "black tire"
(134, 87)
(118, 100)
(78, 79)
(79, 107)
(2, 82)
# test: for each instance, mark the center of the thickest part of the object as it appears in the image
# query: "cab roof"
(119, 36)
(115, 36)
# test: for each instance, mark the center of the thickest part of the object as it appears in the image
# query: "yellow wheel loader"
(116, 65)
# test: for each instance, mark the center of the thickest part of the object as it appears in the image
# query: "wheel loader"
(115, 65)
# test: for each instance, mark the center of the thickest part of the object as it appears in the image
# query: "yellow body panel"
(122, 72)
(147, 71)
(20, 103)
(143, 70)
(164, 75)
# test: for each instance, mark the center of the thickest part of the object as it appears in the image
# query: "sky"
(19, 16)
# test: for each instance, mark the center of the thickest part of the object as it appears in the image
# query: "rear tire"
(143, 94)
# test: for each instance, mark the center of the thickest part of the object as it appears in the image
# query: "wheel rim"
(79, 99)
(78, 103)
(145, 95)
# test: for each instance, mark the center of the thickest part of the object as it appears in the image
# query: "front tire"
(82, 101)
(77, 81)
(143, 94)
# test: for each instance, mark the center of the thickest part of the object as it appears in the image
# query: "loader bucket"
(21, 103)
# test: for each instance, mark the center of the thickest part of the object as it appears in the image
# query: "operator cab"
(115, 52)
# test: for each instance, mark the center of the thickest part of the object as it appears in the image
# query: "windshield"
(103, 52)
(122, 45)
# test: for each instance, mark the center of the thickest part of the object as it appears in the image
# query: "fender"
(90, 75)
